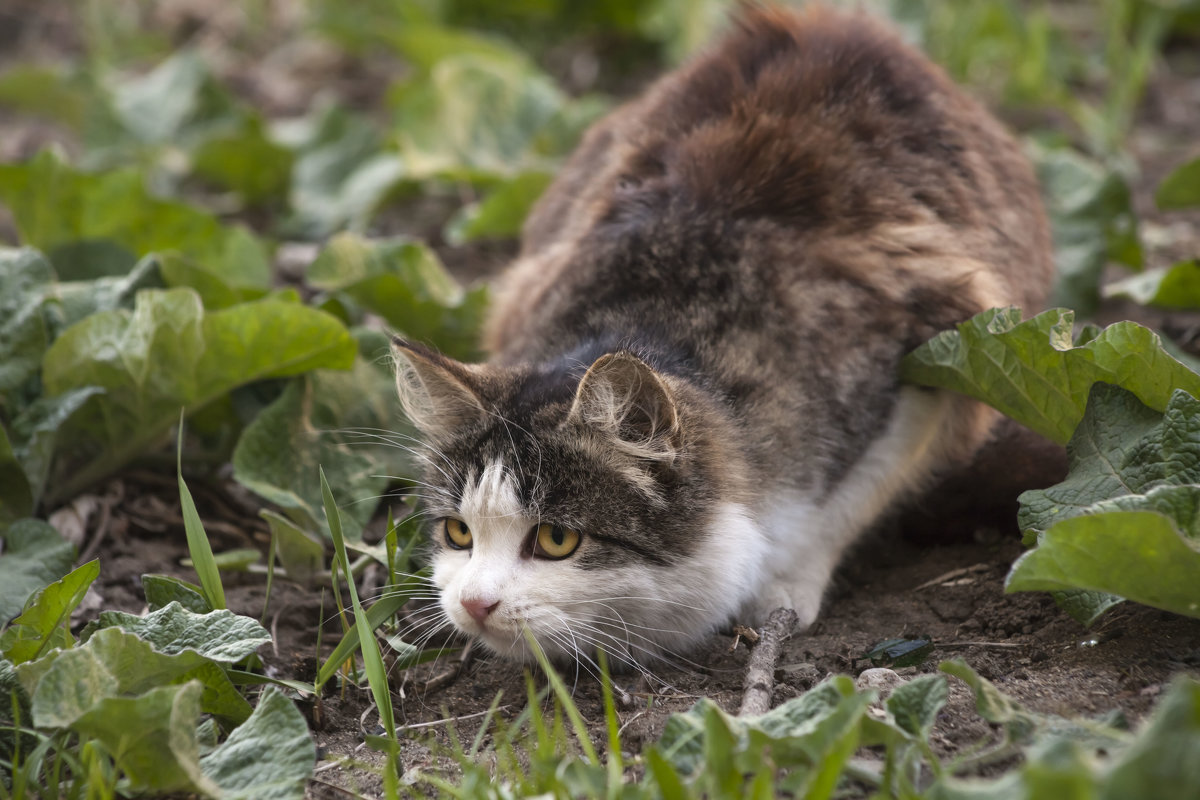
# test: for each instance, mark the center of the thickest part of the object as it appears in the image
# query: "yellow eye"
(555, 541)
(458, 535)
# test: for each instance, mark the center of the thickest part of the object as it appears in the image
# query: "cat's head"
(593, 505)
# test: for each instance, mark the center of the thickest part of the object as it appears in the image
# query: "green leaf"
(1125, 456)
(1091, 214)
(34, 555)
(66, 684)
(16, 496)
(302, 556)
(199, 547)
(269, 757)
(218, 635)
(162, 590)
(25, 278)
(167, 354)
(915, 705)
(812, 736)
(1164, 761)
(1084, 606)
(55, 206)
(991, 703)
(340, 174)
(35, 433)
(1139, 555)
(1032, 372)
(1180, 189)
(247, 162)
(500, 214)
(1177, 286)
(277, 453)
(44, 91)
(175, 103)
(348, 423)
(476, 117)
(152, 737)
(377, 675)
(46, 620)
(406, 284)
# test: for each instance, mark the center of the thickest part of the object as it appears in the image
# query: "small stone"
(881, 678)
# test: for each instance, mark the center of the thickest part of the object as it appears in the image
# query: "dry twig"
(760, 672)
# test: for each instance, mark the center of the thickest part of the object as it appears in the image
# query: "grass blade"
(198, 547)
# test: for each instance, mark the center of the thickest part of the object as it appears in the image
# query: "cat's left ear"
(438, 393)
(623, 396)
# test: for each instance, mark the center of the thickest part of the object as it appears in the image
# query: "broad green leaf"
(218, 635)
(1093, 222)
(34, 556)
(1164, 761)
(241, 275)
(268, 757)
(152, 738)
(475, 117)
(43, 91)
(338, 171)
(87, 291)
(35, 433)
(167, 354)
(1139, 555)
(301, 555)
(1177, 286)
(16, 496)
(162, 590)
(45, 623)
(25, 278)
(406, 284)
(278, 452)
(1180, 189)
(1084, 606)
(501, 213)
(175, 103)
(247, 162)
(424, 46)
(811, 735)
(65, 684)
(992, 704)
(1125, 456)
(56, 208)
(915, 705)
(1033, 373)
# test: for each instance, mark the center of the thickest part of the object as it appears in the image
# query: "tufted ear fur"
(437, 392)
(623, 396)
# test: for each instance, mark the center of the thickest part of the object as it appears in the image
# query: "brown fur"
(713, 297)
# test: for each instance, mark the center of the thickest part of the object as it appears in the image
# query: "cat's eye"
(555, 541)
(458, 535)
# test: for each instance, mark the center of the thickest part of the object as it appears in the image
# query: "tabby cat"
(691, 406)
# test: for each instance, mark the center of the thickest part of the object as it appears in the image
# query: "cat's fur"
(694, 358)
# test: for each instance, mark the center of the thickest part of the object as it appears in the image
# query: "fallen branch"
(760, 672)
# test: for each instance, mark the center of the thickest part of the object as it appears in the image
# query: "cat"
(691, 407)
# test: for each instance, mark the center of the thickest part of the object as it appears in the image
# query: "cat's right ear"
(436, 392)
(623, 396)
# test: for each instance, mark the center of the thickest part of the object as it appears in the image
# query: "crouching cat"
(692, 407)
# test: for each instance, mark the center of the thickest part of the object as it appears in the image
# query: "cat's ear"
(436, 392)
(622, 395)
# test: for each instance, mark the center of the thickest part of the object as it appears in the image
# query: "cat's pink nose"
(479, 607)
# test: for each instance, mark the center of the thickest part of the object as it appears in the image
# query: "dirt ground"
(905, 580)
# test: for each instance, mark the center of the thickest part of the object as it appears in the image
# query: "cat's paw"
(805, 602)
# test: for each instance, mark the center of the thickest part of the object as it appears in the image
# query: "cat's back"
(804, 148)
